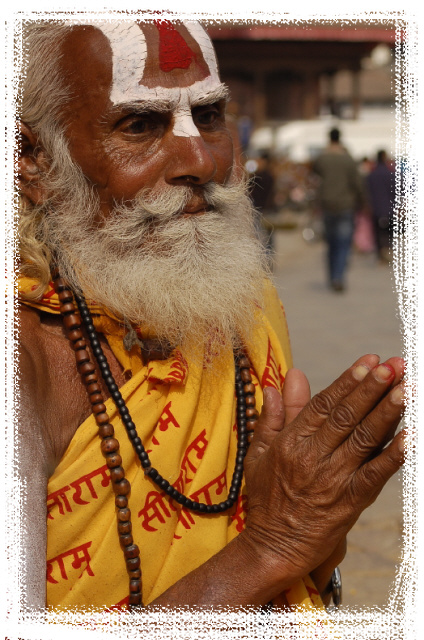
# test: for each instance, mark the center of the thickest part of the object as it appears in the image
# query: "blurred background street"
(291, 83)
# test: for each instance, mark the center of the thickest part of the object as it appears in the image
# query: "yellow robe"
(185, 416)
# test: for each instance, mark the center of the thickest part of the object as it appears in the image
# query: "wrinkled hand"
(311, 472)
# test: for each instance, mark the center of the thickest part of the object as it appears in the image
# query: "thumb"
(296, 394)
(269, 424)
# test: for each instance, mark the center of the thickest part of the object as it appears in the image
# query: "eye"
(135, 125)
(138, 124)
(207, 115)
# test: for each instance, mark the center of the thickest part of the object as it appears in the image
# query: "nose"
(191, 161)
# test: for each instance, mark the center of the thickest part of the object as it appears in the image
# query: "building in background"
(291, 82)
(300, 71)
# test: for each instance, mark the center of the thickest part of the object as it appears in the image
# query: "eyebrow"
(142, 106)
(221, 92)
(163, 105)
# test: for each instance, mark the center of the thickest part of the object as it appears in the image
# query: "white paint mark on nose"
(183, 119)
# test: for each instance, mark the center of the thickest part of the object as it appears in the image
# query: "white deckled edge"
(365, 624)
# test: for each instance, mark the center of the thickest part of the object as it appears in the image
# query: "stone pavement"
(329, 331)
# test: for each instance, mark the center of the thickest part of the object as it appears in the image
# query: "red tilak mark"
(174, 52)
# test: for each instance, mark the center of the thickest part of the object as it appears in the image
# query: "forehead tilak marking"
(197, 32)
(129, 54)
(174, 52)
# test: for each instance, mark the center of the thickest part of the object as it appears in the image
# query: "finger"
(371, 477)
(399, 366)
(296, 394)
(347, 415)
(369, 438)
(317, 411)
(269, 424)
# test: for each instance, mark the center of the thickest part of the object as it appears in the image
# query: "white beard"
(191, 280)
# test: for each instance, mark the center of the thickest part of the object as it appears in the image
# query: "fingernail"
(402, 443)
(360, 372)
(384, 372)
(397, 396)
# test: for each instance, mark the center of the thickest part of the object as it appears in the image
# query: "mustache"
(149, 211)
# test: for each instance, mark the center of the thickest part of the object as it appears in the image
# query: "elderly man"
(151, 339)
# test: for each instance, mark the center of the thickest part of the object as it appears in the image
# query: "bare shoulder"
(51, 392)
(30, 352)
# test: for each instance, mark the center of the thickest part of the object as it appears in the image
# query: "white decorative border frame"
(401, 618)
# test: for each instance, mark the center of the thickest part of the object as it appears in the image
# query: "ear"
(32, 165)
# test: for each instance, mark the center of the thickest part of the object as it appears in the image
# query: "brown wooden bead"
(122, 488)
(65, 296)
(90, 377)
(249, 388)
(75, 335)
(133, 563)
(135, 599)
(102, 418)
(98, 407)
(124, 527)
(86, 367)
(124, 515)
(135, 586)
(113, 460)
(59, 283)
(244, 363)
(251, 413)
(109, 445)
(250, 401)
(106, 430)
(82, 356)
(79, 344)
(131, 552)
(93, 387)
(245, 375)
(67, 307)
(134, 575)
(117, 473)
(251, 423)
(97, 400)
(121, 502)
(126, 540)
(71, 322)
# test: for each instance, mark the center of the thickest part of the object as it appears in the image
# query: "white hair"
(191, 280)
(43, 93)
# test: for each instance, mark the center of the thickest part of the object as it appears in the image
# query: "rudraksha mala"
(247, 416)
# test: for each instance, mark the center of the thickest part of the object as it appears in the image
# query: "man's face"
(181, 260)
(147, 110)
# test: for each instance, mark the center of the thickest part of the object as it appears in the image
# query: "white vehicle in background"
(302, 140)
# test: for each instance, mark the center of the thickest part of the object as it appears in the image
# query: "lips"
(195, 207)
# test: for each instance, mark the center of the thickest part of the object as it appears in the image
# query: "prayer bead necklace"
(246, 412)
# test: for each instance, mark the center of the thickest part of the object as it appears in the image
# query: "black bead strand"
(241, 362)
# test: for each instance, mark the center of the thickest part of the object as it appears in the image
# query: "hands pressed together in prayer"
(314, 466)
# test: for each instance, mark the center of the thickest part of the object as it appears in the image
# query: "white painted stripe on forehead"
(129, 54)
(198, 33)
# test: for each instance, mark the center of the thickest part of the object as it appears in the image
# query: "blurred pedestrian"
(341, 193)
(381, 192)
(363, 237)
